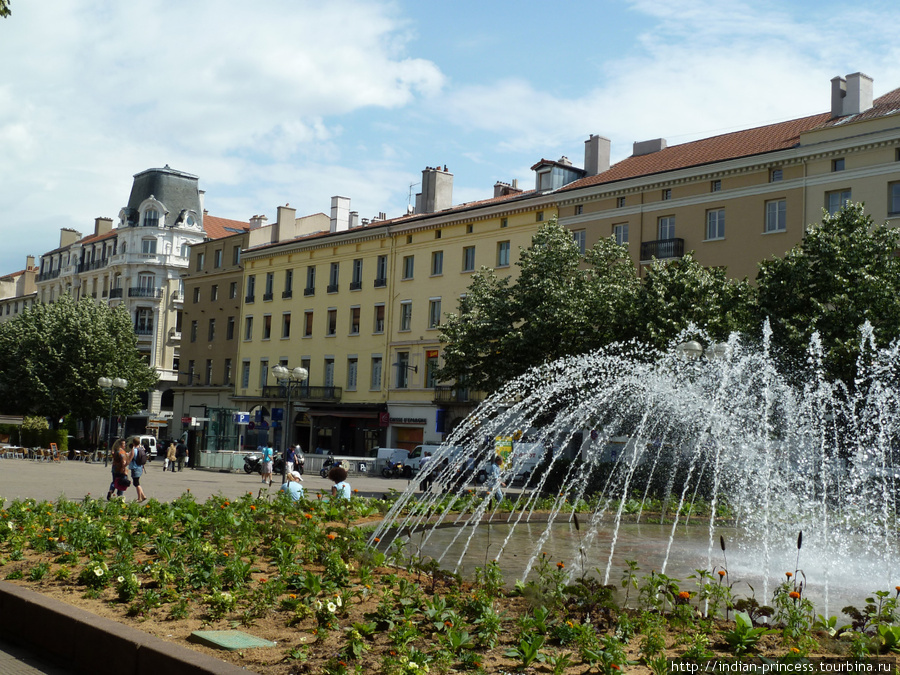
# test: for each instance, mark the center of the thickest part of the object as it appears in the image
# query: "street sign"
(241, 418)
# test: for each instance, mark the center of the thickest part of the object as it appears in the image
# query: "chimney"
(284, 224)
(68, 236)
(29, 262)
(648, 147)
(354, 219)
(596, 155)
(102, 225)
(437, 190)
(851, 96)
(502, 189)
(257, 222)
(340, 214)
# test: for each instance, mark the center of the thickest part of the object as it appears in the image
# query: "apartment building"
(360, 305)
(18, 290)
(738, 198)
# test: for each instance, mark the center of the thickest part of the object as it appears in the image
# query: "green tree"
(561, 303)
(4, 8)
(681, 292)
(53, 355)
(845, 272)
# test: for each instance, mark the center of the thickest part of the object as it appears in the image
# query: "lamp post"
(288, 378)
(111, 386)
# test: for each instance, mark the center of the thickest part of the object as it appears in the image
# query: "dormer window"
(151, 218)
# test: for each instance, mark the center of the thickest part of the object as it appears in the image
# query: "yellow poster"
(503, 446)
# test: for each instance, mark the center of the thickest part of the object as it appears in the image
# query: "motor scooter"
(392, 469)
(253, 464)
(326, 466)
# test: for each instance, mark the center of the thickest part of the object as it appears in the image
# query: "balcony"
(355, 285)
(309, 290)
(448, 394)
(381, 282)
(250, 298)
(87, 266)
(115, 293)
(287, 294)
(141, 292)
(332, 288)
(662, 249)
(304, 393)
(267, 297)
(48, 275)
(143, 330)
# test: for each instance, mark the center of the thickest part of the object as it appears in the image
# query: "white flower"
(120, 579)
(98, 571)
(331, 607)
(338, 601)
(10, 525)
(318, 605)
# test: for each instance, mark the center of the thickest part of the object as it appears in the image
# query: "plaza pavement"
(23, 478)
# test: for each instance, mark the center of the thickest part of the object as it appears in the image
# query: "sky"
(291, 101)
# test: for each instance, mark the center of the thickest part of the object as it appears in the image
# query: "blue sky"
(290, 101)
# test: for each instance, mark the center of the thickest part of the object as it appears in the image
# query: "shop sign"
(408, 420)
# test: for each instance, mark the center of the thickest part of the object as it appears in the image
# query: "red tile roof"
(744, 143)
(216, 227)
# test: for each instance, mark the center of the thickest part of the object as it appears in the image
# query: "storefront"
(412, 425)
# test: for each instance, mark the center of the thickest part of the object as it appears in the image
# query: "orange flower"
(685, 595)
(292, 596)
(355, 491)
(560, 565)
(308, 516)
(225, 553)
(263, 580)
(613, 665)
(721, 573)
(794, 650)
(253, 507)
(794, 594)
(377, 539)
(332, 536)
(789, 574)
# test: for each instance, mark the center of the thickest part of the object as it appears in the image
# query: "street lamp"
(288, 378)
(111, 386)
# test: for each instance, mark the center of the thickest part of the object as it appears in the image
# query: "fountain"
(769, 455)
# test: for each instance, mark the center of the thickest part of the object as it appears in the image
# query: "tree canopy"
(53, 355)
(845, 272)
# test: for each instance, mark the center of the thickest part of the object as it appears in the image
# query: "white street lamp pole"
(288, 378)
(111, 386)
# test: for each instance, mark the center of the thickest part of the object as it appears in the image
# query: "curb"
(92, 644)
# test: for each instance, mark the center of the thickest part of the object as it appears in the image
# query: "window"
(893, 198)
(288, 284)
(409, 239)
(329, 372)
(351, 373)
(185, 250)
(200, 260)
(579, 209)
(248, 328)
(196, 294)
(434, 313)
(310, 280)
(836, 200)
(226, 374)
(375, 382)
(776, 175)
(408, 266)
(236, 255)
(285, 325)
(539, 216)
(379, 319)
(331, 328)
(217, 258)
(837, 164)
(468, 259)
(580, 238)
(307, 323)
(191, 370)
(148, 246)
(715, 224)
(431, 364)
(245, 374)
(502, 254)
(267, 327)
(263, 372)
(470, 228)
(356, 282)
(151, 218)
(620, 232)
(193, 331)
(229, 329)
(211, 330)
(402, 370)
(270, 283)
(715, 186)
(504, 222)
(620, 202)
(334, 274)
(232, 290)
(776, 215)
(354, 321)
(437, 263)
(666, 228)
(251, 288)
(406, 315)
(209, 367)
(667, 194)
(437, 234)
(381, 271)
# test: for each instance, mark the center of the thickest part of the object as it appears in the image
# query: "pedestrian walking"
(171, 454)
(120, 460)
(138, 460)
(289, 459)
(266, 471)
(180, 455)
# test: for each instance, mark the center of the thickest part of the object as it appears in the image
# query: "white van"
(415, 457)
(149, 443)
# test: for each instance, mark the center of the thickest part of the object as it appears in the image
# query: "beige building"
(739, 198)
(359, 306)
(18, 290)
